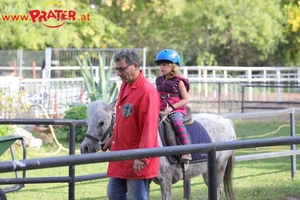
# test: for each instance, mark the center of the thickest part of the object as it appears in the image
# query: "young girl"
(173, 89)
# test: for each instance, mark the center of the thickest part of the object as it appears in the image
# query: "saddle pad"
(197, 135)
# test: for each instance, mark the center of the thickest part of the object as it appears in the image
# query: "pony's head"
(100, 122)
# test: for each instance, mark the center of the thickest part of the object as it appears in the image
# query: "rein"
(165, 114)
(166, 98)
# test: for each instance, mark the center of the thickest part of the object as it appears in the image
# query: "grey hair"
(130, 56)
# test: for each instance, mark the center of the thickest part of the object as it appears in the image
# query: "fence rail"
(208, 97)
(213, 89)
(72, 160)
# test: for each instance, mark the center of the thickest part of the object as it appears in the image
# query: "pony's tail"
(227, 181)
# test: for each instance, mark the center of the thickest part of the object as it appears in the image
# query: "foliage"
(77, 113)
(206, 59)
(244, 35)
(204, 32)
(98, 87)
(6, 130)
(290, 49)
(96, 32)
(11, 103)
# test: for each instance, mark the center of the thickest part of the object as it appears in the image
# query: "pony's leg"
(164, 179)
(220, 175)
(165, 184)
(149, 182)
(166, 190)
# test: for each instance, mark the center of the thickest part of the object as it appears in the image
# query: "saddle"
(170, 134)
(197, 134)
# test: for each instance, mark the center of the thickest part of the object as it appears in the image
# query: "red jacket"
(136, 127)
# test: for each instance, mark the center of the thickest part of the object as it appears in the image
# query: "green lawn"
(265, 179)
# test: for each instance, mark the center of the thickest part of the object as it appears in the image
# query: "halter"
(106, 133)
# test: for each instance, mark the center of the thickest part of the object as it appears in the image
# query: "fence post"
(34, 70)
(243, 98)
(293, 146)
(249, 80)
(187, 189)
(212, 174)
(72, 141)
(205, 82)
(47, 70)
(278, 80)
(20, 61)
(56, 96)
(15, 67)
(264, 84)
(144, 61)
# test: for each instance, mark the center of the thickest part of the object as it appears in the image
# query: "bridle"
(108, 132)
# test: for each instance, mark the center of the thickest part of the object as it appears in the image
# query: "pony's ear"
(112, 105)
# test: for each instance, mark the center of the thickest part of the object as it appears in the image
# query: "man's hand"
(138, 165)
(107, 144)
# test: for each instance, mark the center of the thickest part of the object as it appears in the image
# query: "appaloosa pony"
(100, 120)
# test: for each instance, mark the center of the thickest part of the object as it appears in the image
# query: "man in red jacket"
(137, 111)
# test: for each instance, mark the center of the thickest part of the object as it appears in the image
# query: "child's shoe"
(185, 158)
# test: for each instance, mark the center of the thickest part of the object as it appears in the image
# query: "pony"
(100, 120)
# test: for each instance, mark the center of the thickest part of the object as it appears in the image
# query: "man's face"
(126, 71)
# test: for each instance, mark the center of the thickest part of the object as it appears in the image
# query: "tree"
(237, 33)
(98, 32)
(150, 24)
(204, 32)
(288, 51)
(209, 32)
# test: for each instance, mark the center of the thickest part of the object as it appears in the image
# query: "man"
(137, 111)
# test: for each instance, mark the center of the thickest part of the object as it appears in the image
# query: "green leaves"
(6, 130)
(233, 32)
(78, 113)
(98, 85)
(97, 32)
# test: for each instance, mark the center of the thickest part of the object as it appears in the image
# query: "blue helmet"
(168, 55)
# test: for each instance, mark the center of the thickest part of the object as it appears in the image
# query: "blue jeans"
(124, 189)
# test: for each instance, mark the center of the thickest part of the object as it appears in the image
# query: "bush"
(12, 102)
(101, 87)
(77, 113)
(6, 130)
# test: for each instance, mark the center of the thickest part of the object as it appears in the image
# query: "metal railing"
(72, 160)
(278, 99)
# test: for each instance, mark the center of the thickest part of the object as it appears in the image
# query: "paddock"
(73, 160)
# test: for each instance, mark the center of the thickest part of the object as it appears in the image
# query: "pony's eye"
(100, 123)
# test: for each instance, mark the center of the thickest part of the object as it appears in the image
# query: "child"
(173, 89)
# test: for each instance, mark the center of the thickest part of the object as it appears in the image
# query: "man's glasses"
(121, 69)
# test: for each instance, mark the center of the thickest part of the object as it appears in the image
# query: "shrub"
(12, 102)
(101, 87)
(78, 113)
(6, 130)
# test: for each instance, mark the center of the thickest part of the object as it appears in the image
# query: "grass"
(264, 179)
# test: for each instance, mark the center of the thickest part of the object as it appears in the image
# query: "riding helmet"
(168, 55)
